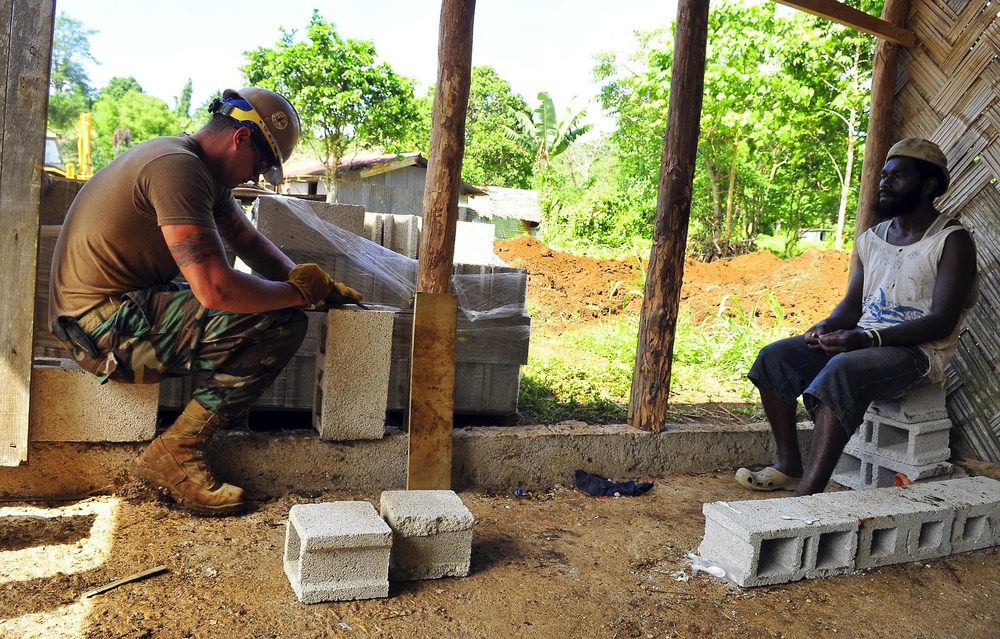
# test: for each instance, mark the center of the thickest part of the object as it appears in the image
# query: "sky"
(536, 45)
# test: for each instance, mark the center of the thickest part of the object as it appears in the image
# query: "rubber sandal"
(766, 479)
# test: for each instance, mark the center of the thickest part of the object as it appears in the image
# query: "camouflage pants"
(165, 332)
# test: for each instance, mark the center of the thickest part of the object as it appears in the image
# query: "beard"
(888, 207)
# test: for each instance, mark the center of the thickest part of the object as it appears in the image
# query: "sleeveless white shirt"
(899, 286)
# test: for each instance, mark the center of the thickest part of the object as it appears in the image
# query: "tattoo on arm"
(195, 248)
(231, 226)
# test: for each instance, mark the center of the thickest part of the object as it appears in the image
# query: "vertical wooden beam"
(880, 119)
(25, 52)
(431, 413)
(658, 321)
(432, 392)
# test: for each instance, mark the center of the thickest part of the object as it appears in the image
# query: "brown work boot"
(175, 462)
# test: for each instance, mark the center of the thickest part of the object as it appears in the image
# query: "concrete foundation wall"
(495, 458)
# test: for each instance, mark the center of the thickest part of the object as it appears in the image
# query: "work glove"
(341, 294)
(320, 289)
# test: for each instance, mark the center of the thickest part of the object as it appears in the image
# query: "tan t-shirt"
(111, 241)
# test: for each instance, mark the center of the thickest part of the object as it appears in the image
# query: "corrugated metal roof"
(517, 204)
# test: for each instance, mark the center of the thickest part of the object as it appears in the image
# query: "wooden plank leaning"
(25, 52)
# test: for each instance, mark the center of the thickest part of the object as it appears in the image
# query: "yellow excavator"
(83, 170)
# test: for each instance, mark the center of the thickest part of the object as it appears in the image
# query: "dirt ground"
(553, 565)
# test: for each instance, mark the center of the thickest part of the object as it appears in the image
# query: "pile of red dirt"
(566, 288)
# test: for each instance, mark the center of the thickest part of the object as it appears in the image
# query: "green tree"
(70, 93)
(543, 134)
(70, 51)
(124, 115)
(182, 109)
(345, 98)
(491, 157)
(779, 123)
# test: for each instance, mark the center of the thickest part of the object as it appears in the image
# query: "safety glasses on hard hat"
(241, 111)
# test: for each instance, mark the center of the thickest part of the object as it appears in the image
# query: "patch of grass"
(587, 374)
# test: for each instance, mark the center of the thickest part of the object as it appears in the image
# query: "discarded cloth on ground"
(601, 487)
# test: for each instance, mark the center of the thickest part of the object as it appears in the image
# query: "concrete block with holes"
(352, 374)
(894, 527)
(431, 534)
(71, 405)
(924, 404)
(976, 501)
(337, 551)
(860, 468)
(773, 541)
(912, 443)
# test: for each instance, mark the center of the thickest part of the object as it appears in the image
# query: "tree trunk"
(845, 187)
(651, 378)
(731, 195)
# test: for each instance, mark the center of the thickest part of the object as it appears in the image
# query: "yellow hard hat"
(272, 116)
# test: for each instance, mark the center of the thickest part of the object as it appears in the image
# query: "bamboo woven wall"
(947, 91)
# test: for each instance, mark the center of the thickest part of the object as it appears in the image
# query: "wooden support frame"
(431, 414)
(25, 54)
(880, 119)
(885, 29)
(651, 378)
(432, 392)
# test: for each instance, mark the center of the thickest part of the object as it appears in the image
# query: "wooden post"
(25, 52)
(880, 120)
(651, 378)
(431, 413)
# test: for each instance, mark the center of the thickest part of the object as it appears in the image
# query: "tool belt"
(76, 331)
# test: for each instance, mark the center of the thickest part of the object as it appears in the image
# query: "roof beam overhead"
(850, 17)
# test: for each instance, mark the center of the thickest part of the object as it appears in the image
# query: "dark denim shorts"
(847, 382)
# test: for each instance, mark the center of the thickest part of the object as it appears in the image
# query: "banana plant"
(543, 134)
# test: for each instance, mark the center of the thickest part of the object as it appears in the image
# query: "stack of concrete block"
(352, 374)
(431, 534)
(337, 551)
(68, 404)
(293, 389)
(398, 233)
(771, 541)
(346, 550)
(908, 436)
(492, 345)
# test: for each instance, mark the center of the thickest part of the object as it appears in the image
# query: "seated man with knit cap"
(165, 209)
(895, 329)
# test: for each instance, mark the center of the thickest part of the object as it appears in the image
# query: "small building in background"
(381, 183)
(514, 212)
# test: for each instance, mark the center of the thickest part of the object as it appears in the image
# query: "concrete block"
(859, 468)
(976, 501)
(401, 233)
(337, 551)
(924, 404)
(892, 528)
(913, 443)
(474, 242)
(765, 542)
(431, 534)
(70, 405)
(350, 217)
(352, 374)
